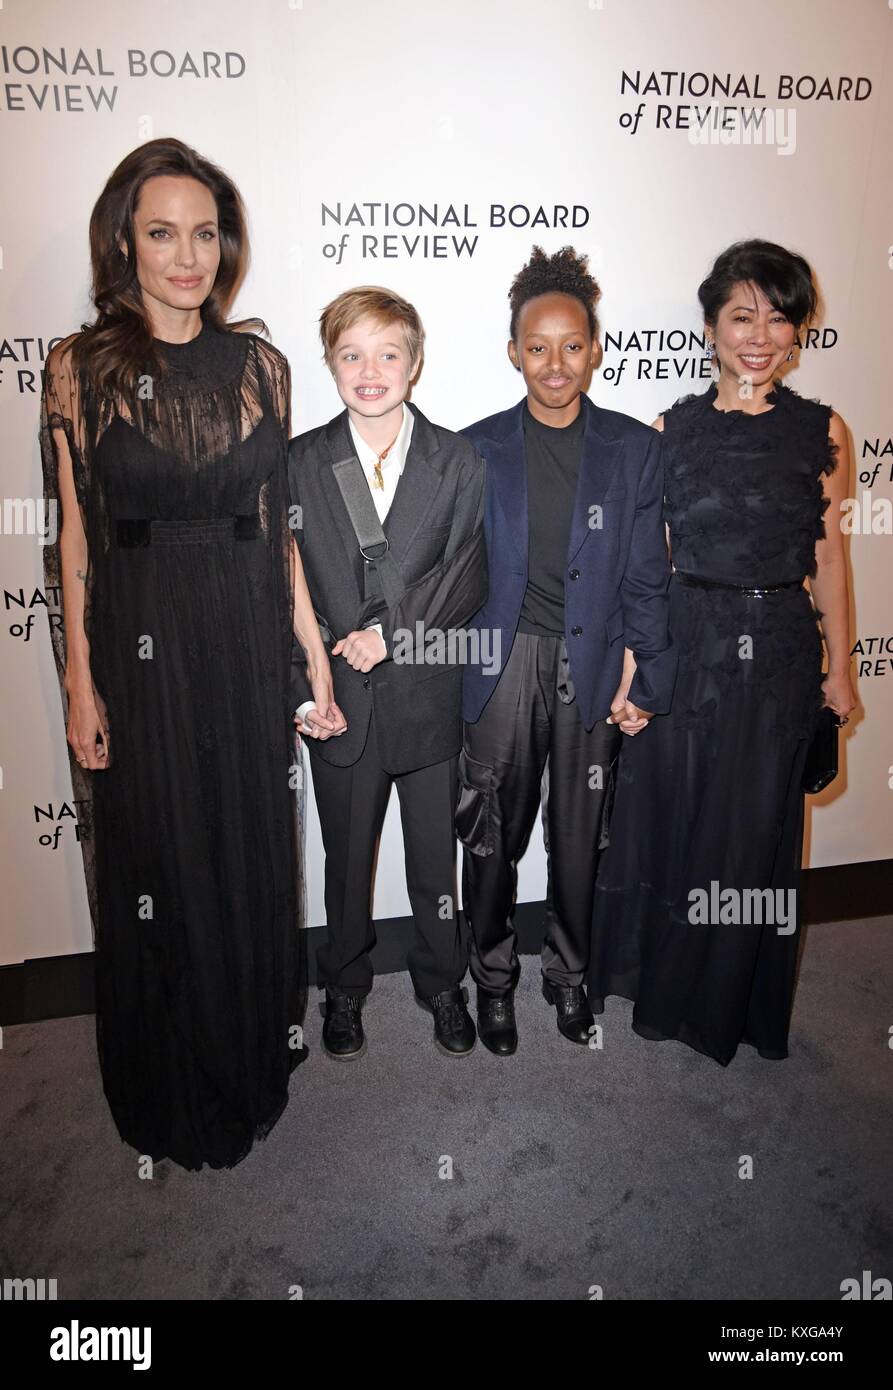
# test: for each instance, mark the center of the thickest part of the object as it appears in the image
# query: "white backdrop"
(486, 112)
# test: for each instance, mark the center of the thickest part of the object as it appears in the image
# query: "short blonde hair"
(375, 302)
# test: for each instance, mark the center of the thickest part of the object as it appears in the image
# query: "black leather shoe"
(342, 1031)
(454, 1030)
(497, 1029)
(572, 1007)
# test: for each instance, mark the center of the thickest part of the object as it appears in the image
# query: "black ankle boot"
(497, 1029)
(342, 1031)
(453, 1026)
(572, 1008)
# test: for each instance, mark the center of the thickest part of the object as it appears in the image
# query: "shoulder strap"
(374, 545)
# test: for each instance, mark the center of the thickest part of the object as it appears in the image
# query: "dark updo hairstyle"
(784, 278)
(562, 273)
(115, 349)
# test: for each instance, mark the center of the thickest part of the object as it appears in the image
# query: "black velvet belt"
(140, 531)
(694, 581)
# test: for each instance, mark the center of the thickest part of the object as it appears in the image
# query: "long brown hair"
(115, 349)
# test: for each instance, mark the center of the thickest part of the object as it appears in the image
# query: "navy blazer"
(618, 568)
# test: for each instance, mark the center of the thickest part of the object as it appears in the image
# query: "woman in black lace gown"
(164, 435)
(711, 793)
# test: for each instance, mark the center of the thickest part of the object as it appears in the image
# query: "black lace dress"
(191, 836)
(710, 793)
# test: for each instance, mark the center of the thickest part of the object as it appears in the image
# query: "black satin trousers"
(530, 747)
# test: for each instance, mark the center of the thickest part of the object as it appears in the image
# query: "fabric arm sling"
(448, 595)
(374, 545)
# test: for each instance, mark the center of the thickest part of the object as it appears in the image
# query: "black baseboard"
(62, 986)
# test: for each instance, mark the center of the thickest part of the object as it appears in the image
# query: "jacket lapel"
(339, 445)
(507, 471)
(601, 456)
(417, 488)
(413, 496)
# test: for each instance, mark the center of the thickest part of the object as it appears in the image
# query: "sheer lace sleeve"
(274, 392)
(64, 450)
(63, 447)
(275, 368)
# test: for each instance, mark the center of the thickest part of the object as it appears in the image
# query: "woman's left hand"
(839, 694)
(324, 695)
(627, 716)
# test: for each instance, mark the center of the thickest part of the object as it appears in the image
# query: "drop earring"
(710, 352)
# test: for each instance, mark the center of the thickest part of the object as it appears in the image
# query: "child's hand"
(361, 650)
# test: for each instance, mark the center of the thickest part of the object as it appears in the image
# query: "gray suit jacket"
(435, 529)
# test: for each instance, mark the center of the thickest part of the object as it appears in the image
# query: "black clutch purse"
(821, 756)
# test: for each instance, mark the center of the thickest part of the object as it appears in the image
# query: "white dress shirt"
(391, 467)
(391, 472)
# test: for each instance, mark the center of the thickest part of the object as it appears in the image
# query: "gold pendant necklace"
(378, 479)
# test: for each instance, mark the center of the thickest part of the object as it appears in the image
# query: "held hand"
(319, 726)
(324, 719)
(332, 720)
(327, 716)
(839, 694)
(361, 650)
(88, 729)
(627, 716)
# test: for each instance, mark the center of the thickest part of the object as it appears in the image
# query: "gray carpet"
(570, 1167)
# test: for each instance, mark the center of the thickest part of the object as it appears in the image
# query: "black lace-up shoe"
(572, 1008)
(497, 1029)
(453, 1026)
(342, 1031)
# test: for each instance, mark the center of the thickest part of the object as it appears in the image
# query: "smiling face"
(372, 367)
(555, 351)
(752, 338)
(177, 246)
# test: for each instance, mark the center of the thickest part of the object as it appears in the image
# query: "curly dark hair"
(564, 272)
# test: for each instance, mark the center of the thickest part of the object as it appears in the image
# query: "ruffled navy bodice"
(743, 493)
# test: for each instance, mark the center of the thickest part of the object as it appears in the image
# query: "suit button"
(575, 574)
(576, 631)
(366, 683)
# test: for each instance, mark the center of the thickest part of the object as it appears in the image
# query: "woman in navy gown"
(709, 806)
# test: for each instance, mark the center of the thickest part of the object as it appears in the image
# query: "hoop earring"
(790, 356)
